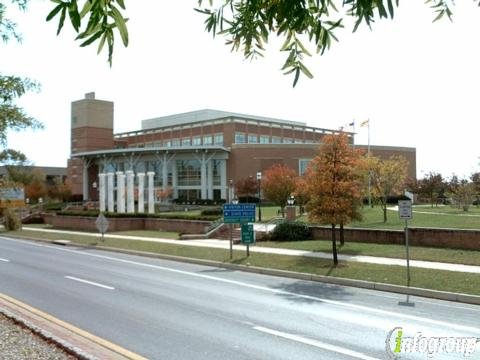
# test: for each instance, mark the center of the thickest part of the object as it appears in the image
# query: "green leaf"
(74, 15)
(62, 19)
(86, 8)
(297, 76)
(101, 43)
(55, 11)
(121, 24)
(121, 3)
(304, 69)
(91, 39)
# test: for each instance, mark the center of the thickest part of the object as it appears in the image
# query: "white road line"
(4, 260)
(316, 343)
(90, 282)
(389, 314)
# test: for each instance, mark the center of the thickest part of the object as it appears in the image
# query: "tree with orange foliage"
(334, 185)
(247, 188)
(388, 178)
(164, 194)
(37, 187)
(60, 189)
(278, 184)
(302, 196)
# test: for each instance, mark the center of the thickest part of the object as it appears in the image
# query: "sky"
(416, 81)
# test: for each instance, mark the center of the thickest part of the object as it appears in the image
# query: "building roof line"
(303, 127)
(152, 150)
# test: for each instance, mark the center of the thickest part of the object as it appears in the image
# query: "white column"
(141, 190)
(151, 199)
(120, 192)
(102, 188)
(203, 177)
(110, 197)
(210, 179)
(164, 173)
(130, 196)
(174, 180)
(85, 180)
(223, 179)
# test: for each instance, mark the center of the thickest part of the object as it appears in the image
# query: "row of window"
(216, 139)
(188, 171)
(242, 138)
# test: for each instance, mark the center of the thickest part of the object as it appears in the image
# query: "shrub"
(291, 231)
(94, 213)
(213, 211)
(11, 220)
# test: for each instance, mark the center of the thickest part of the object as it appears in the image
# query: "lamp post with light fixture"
(259, 179)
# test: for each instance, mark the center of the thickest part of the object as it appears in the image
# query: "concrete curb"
(47, 336)
(399, 289)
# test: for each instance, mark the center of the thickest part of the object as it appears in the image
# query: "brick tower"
(91, 129)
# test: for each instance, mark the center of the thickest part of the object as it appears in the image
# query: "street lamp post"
(259, 179)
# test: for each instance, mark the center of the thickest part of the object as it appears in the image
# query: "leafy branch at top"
(102, 17)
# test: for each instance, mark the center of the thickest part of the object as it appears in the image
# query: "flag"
(365, 123)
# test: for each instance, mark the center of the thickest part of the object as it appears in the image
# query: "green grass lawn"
(373, 219)
(447, 209)
(191, 213)
(423, 278)
(468, 257)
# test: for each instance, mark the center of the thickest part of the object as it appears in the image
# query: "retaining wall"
(442, 238)
(85, 223)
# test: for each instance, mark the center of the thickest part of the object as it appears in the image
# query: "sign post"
(248, 236)
(102, 224)
(405, 212)
(238, 214)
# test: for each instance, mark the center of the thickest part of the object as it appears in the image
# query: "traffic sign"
(238, 213)
(405, 209)
(101, 223)
(248, 234)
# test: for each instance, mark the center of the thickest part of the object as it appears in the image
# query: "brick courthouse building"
(199, 154)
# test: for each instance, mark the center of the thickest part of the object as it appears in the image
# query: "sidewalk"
(223, 244)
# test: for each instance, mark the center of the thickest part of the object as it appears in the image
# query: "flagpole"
(369, 171)
(353, 135)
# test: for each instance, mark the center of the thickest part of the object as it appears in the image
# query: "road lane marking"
(390, 314)
(4, 260)
(316, 343)
(90, 282)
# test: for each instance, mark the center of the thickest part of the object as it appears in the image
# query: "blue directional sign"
(238, 213)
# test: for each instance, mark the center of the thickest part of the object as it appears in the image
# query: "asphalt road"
(170, 310)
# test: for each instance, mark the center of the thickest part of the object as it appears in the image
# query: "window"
(287, 140)
(252, 139)
(218, 139)
(168, 143)
(298, 141)
(175, 142)
(207, 140)
(188, 172)
(197, 140)
(302, 165)
(216, 164)
(264, 139)
(157, 144)
(186, 141)
(276, 140)
(239, 138)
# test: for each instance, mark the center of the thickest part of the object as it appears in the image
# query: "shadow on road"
(312, 292)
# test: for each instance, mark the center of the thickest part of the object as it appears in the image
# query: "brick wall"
(442, 238)
(124, 224)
